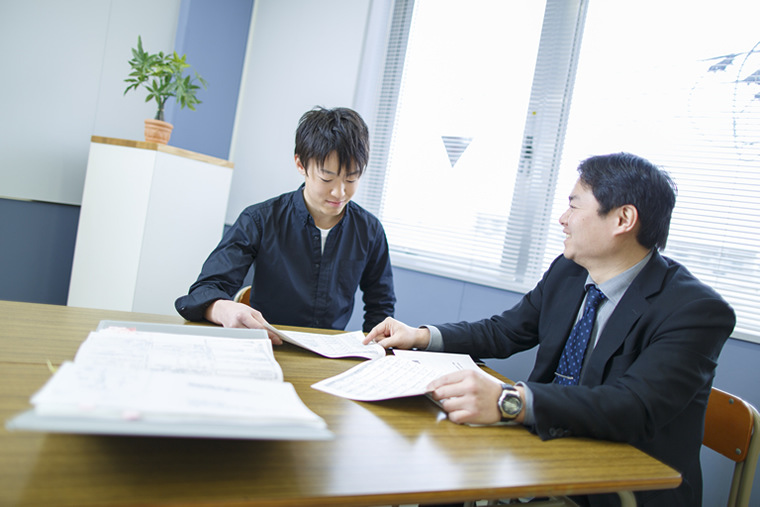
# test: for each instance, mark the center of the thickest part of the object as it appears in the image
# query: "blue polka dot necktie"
(569, 369)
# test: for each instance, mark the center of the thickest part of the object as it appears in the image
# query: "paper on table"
(206, 355)
(380, 379)
(406, 373)
(109, 392)
(443, 361)
(160, 380)
(333, 345)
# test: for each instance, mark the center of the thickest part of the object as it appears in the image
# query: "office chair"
(243, 296)
(731, 429)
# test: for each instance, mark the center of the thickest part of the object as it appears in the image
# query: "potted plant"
(162, 76)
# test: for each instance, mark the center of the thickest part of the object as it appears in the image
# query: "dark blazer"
(648, 379)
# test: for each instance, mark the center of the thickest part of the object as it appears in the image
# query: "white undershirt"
(324, 233)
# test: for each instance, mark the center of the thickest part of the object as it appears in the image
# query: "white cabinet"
(150, 216)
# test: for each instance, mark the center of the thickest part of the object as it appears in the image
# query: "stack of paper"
(126, 381)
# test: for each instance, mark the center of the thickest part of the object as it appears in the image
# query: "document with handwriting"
(120, 393)
(129, 382)
(332, 345)
(116, 347)
(406, 373)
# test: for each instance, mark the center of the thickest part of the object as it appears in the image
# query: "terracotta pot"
(157, 131)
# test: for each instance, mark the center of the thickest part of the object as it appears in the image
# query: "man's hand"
(231, 314)
(469, 397)
(392, 333)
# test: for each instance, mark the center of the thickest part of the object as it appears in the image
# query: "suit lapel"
(628, 311)
(573, 290)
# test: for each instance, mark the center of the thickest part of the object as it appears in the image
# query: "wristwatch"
(510, 403)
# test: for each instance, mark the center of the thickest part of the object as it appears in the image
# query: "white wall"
(300, 54)
(64, 65)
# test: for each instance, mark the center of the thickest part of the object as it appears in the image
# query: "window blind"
(372, 188)
(468, 134)
(687, 97)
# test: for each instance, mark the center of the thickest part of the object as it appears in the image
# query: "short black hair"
(321, 131)
(622, 178)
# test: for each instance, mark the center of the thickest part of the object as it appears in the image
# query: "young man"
(644, 368)
(310, 248)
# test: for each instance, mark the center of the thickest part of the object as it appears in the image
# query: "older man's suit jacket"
(648, 379)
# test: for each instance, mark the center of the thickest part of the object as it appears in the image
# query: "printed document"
(160, 396)
(135, 380)
(406, 373)
(333, 345)
(204, 355)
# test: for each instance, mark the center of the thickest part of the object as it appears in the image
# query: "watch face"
(510, 404)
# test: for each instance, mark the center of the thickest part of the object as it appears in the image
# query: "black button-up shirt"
(294, 283)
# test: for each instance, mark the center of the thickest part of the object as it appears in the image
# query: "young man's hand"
(470, 397)
(392, 333)
(231, 314)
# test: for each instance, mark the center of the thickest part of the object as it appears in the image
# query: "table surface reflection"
(398, 451)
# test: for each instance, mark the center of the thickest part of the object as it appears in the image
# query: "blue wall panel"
(421, 299)
(36, 250)
(214, 38)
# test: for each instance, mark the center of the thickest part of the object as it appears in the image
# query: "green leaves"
(162, 76)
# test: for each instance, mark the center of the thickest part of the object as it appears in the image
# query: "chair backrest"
(243, 296)
(731, 429)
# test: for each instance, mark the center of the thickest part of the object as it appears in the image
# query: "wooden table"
(392, 452)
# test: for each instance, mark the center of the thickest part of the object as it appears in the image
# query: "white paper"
(380, 379)
(406, 373)
(333, 345)
(446, 362)
(160, 396)
(203, 355)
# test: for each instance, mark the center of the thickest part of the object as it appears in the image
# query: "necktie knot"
(593, 299)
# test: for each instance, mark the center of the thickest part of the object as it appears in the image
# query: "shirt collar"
(303, 212)
(615, 287)
(300, 204)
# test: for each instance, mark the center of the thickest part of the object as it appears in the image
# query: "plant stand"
(150, 216)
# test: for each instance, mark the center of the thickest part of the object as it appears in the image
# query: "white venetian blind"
(468, 135)
(681, 87)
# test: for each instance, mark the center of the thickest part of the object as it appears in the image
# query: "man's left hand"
(468, 396)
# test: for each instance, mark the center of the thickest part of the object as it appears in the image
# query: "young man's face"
(589, 237)
(326, 192)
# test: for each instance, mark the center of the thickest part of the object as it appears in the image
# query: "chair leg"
(554, 501)
(627, 499)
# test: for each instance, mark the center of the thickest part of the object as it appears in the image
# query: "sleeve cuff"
(193, 306)
(528, 420)
(436, 339)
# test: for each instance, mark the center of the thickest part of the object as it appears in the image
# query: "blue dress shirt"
(294, 282)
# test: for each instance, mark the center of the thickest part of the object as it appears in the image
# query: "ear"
(627, 218)
(299, 166)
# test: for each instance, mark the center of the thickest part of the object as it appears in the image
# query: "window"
(453, 162)
(680, 87)
(475, 142)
